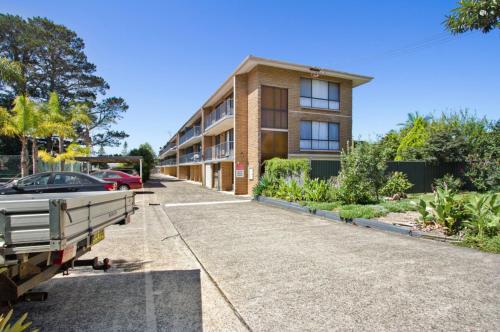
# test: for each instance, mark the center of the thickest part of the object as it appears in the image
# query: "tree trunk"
(24, 157)
(61, 151)
(34, 154)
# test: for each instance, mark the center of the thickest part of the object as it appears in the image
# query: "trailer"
(44, 234)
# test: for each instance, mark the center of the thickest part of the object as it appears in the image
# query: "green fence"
(420, 173)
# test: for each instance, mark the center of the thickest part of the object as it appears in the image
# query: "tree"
(101, 151)
(19, 124)
(412, 144)
(10, 71)
(125, 149)
(362, 174)
(146, 151)
(62, 123)
(51, 58)
(483, 15)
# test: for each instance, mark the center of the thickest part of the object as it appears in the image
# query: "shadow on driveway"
(165, 300)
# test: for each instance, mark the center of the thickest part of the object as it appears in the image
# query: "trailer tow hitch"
(96, 265)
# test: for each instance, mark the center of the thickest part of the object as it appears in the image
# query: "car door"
(61, 183)
(83, 182)
(33, 184)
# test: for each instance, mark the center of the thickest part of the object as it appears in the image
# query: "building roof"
(251, 62)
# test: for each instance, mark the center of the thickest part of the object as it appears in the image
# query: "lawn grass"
(327, 206)
(488, 244)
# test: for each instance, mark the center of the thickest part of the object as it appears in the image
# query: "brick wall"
(241, 131)
(253, 127)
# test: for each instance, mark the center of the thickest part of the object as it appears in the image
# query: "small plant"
(450, 182)
(484, 216)
(264, 183)
(397, 184)
(447, 210)
(317, 191)
(287, 168)
(289, 190)
(19, 325)
(427, 217)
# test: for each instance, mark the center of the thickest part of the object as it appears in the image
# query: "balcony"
(220, 152)
(168, 149)
(190, 137)
(220, 119)
(190, 158)
(168, 162)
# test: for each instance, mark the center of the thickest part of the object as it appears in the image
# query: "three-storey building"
(265, 109)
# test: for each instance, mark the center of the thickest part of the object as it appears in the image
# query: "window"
(274, 144)
(34, 180)
(274, 107)
(111, 175)
(316, 135)
(69, 179)
(319, 94)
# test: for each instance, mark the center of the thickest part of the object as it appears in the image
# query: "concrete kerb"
(334, 216)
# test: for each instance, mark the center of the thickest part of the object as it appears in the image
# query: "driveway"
(284, 270)
(196, 259)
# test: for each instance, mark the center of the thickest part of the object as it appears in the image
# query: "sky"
(167, 57)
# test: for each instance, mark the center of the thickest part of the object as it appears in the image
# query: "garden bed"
(397, 222)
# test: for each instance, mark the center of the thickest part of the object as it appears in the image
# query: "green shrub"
(484, 216)
(447, 211)
(488, 244)
(397, 183)
(289, 190)
(362, 174)
(449, 181)
(318, 190)
(264, 183)
(278, 168)
(362, 211)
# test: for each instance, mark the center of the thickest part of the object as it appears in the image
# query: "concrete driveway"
(202, 260)
(283, 270)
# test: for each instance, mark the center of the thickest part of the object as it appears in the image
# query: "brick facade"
(246, 89)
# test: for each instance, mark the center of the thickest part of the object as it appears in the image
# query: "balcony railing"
(220, 151)
(223, 110)
(190, 133)
(192, 157)
(167, 147)
(168, 162)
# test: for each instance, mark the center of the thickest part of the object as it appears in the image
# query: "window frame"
(279, 115)
(311, 139)
(311, 98)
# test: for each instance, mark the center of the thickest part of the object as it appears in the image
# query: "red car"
(123, 180)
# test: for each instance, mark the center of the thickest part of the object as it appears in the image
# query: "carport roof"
(110, 159)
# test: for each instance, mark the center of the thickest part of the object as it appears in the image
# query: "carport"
(112, 159)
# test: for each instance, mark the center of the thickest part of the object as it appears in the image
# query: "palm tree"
(62, 123)
(412, 117)
(20, 124)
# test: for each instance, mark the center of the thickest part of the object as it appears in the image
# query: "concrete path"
(268, 270)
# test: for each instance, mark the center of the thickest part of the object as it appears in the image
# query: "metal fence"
(420, 173)
(10, 167)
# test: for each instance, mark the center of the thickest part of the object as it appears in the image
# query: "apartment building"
(265, 109)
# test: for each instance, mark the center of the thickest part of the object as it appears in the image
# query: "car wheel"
(123, 187)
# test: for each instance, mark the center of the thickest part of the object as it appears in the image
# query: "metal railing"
(168, 162)
(220, 151)
(167, 147)
(223, 110)
(190, 133)
(192, 157)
